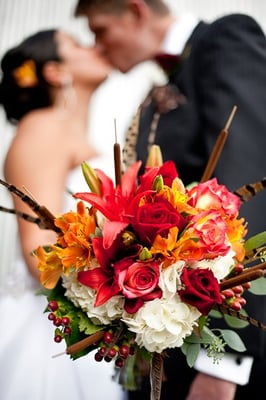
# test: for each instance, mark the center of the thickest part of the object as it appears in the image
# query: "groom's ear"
(138, 8)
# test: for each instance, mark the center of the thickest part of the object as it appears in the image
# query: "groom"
(210, 67)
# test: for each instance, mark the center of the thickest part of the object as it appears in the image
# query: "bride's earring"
(68, 93)
(67, 96)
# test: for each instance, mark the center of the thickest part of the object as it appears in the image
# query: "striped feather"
(224, 309)
(156, 375)
(248, 191)
(45, 218)
(23, 215)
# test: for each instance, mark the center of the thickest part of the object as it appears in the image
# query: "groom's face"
(119, 36)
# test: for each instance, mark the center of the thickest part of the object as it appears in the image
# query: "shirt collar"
(179, 33)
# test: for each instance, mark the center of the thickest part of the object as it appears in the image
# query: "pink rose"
(204, 238)
(211, 195)
(201, 289)
(138, 282)
(210, 230)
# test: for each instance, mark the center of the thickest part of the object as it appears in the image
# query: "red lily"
(113, 202)
(167, 171)
(101, 278)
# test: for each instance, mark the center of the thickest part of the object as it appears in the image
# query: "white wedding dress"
(28, 370)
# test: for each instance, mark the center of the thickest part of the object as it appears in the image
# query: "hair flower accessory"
(25, 75)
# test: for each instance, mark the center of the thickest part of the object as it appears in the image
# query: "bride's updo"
(23, 87)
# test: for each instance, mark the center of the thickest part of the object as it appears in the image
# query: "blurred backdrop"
(117, 99)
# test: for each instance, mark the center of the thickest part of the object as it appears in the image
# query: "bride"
(47, 83)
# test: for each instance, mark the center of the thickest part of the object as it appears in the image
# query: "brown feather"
(156, 376)
(248, 191)
(45, 218)
(224, 309)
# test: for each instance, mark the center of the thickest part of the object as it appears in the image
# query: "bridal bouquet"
(138, 267)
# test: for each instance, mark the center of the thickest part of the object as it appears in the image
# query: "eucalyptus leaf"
(192, 352)
(233, 340)
(184, 347)
(234, 322)
(204, 338)
(215, 314)
(258, 287)
(255, 241)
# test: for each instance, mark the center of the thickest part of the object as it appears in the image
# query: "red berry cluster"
(233, 296)
(111, 349)
(61, 322)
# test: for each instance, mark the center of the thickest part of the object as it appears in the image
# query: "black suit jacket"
(226, 66)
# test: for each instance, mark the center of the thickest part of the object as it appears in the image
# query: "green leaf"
(193, 339)
(191, 352)
(233, 340)
(191, 185)
(215, 314)
(86, 326)
(234, 322)
(258, 286)
(255, 241)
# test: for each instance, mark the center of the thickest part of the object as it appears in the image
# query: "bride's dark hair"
(23, 87)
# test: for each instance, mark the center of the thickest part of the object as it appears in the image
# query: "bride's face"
(85, 64)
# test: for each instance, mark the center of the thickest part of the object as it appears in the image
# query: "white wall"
(210, 9)
(117, 98)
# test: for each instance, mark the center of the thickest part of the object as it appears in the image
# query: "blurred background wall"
(116, 99)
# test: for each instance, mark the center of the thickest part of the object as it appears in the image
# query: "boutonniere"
(170, 63)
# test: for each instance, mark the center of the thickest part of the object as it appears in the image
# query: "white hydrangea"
(84, 297)
(162, 323)
(220, 266)
(169, 280)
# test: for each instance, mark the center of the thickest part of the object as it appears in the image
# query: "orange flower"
(49, 265)
(236, 231)
(165, 245)
(73, 249)
(189, 248)
(25, 74)
(77, 228)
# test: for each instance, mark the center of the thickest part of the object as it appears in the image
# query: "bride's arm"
(38, 160)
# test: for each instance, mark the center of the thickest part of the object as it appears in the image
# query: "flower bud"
(158, 183)
(128, 238)
(155, 158)
(91, 178)
(145, 254)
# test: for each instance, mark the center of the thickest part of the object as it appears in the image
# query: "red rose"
(201, 289)
(154, 216)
